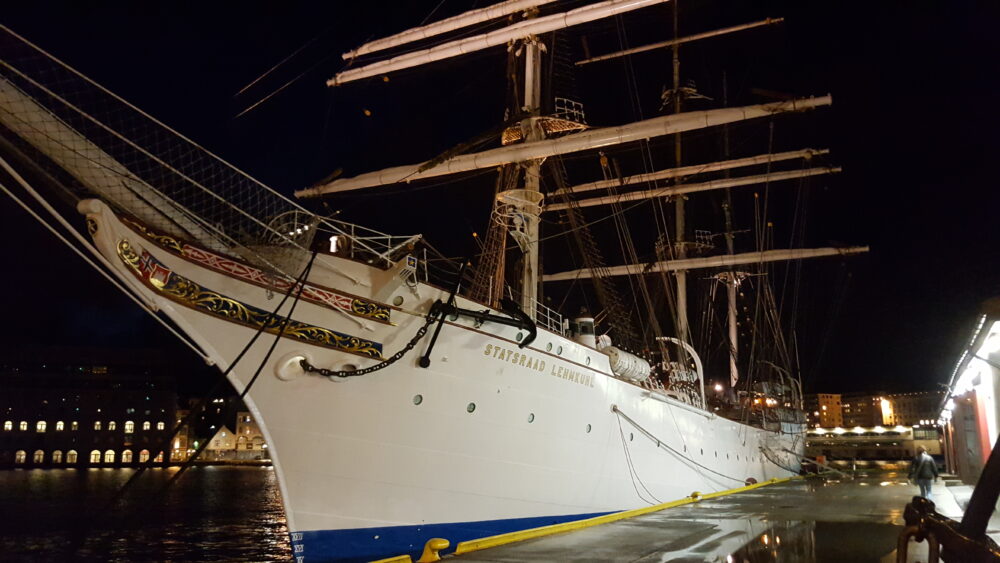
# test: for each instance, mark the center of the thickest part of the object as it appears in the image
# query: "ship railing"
(548, 318)
(363, 243)
(383, 250)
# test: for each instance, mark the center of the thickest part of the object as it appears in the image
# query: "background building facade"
(872, 443)
(84, 408)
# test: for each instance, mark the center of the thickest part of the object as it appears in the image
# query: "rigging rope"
(661, 443)
(632, 473)
(260, 367)
(114, 281)
(198, 408)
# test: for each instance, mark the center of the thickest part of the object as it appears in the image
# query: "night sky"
(914, 124)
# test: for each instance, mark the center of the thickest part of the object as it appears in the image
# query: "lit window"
(97, 425)
(23, 425)
(74, 426)
(112, 425)
(127, 456)
(40, 426)
(159, 458)
(145, 425)
(95, 456)
(109, 456)
(20, 456)
(143, 456)
(39, 456)
(160, 426)
(57, 456)
(71, 456)
(129, 427)
(8, 425)
(60, 426)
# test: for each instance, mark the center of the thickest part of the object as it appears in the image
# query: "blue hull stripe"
(366, 544)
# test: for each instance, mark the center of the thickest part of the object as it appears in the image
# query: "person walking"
(923, 469)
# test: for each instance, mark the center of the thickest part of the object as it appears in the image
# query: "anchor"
(441, 309)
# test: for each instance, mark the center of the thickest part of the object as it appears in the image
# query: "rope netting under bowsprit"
(119, 153)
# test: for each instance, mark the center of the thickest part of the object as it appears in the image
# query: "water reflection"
(820, 542)
(815, 521)
(212, 513)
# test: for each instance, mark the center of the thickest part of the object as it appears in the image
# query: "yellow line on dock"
(513, 537)
(503, 539)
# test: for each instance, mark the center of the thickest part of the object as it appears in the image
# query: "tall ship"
(594, 353)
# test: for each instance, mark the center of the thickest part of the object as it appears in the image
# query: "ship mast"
(731, 278)
(679, 218)
(532, 172)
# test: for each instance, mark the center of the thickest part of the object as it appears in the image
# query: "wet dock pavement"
(810, 520)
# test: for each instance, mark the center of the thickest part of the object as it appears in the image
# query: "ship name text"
(537, 364)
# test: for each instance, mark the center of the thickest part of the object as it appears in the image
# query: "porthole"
(701, 451)
(631, 436)
(348, 367)
(588, 429)
(685, 448)
(716, 454)
(588, 360)
(519, 336)
(737, 457)
(548, 347)
(417, 399)
(559, 350)
(397, 300)
(531, 417)
(470, 408)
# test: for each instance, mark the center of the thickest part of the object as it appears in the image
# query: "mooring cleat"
(431, 549)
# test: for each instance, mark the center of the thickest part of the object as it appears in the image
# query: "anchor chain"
(309, 368)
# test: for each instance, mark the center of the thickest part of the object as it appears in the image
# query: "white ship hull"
(489, 438)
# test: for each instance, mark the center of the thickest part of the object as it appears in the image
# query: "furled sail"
(725, 260)
(496, 38)
(592, 139)
(465, 19)
(698, 187)
(692, 170)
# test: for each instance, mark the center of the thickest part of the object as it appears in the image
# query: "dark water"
(210, 514)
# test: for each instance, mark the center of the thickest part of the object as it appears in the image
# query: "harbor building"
(864, 409)
(831, 410)
(84, 408)
(183, 443)
(245, 444)
(917, 408)
(970, 411)
(823, 410)
(872, 443)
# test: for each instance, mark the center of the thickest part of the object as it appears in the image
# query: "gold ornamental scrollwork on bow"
(186, 292)
(326, 297)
